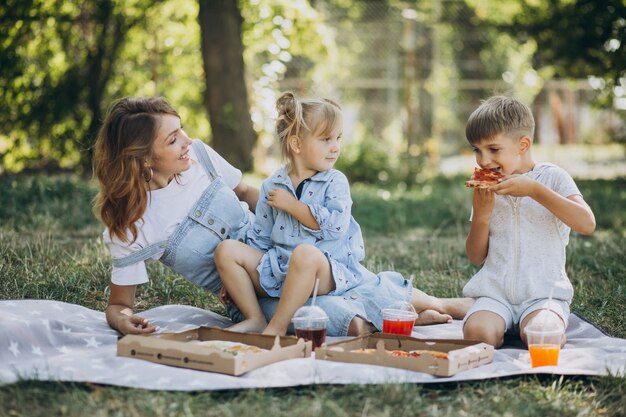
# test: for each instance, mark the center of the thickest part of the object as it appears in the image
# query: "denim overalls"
(217, 215)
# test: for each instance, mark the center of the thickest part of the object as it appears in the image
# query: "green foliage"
(369, 161)
(46, 203)
(63, 62)
(575, 38)
(441, 204)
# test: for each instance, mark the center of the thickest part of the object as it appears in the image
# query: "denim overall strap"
(151, 250)
(203, 158)
(140, 255)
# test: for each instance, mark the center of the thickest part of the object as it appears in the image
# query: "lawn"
(51, 248)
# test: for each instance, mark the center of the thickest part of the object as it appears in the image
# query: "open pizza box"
(446, 357)
(213, 349)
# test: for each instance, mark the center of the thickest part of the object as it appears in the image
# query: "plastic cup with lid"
(309, 323)
(399, 318)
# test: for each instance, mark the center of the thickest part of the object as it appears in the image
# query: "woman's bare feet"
(251, 325)
(426, 317)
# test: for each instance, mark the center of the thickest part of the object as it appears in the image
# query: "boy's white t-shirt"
(167, 208)
(526, 256)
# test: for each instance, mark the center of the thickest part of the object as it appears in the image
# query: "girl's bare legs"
(433, 310)
(236, 264)
(307, 263)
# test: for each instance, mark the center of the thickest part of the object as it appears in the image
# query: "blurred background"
(407, 74)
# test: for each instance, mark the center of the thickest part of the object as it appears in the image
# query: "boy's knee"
(482, 333)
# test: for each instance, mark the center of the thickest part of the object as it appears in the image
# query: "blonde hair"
(500, 115)
(123, 144)
(303, 117)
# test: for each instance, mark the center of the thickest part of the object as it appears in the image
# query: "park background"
(407, 73)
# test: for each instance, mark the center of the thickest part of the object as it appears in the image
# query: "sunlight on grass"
(58, 254)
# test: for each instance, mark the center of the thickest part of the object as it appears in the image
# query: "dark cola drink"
(317, 336)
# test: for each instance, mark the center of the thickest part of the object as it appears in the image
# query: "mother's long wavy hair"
(123, 145)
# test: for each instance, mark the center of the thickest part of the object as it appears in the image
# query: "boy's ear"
(524, 143)
(295, 144)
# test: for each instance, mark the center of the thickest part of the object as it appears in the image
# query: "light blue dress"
(339, 238)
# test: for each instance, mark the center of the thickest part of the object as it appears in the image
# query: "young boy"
(520, 227)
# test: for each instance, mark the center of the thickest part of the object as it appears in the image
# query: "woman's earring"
(149, 173)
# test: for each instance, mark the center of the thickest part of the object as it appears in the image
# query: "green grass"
(51, 248)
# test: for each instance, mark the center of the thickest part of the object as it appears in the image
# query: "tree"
(226, 96)
(56, 63)
(576, 38)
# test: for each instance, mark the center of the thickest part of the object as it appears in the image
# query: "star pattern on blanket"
(92, 342)
(51, 340)
(14, 348)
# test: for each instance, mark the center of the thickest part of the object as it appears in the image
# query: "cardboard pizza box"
(184, 349)
(458, 355)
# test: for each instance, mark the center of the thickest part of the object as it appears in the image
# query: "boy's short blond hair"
(500, 115)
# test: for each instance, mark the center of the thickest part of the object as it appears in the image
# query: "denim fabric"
(277, 233)
(219, 215)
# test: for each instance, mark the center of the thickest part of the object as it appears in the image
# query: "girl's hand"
(224, 297)
(134, 325)
(515, 185)
(281, 199)
(483, 202)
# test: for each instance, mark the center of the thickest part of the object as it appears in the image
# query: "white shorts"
(513, 315)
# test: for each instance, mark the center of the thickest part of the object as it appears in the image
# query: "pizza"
(405, 354)
(484, 178)
(229, 347)
(434, 353)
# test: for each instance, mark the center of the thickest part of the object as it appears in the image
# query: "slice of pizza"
(233, 348)
(484, 178)
(434, 353)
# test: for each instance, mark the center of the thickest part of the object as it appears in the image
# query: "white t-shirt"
(167, 207)
(526, 256)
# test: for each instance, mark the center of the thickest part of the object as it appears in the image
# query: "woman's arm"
(247, 193)
(119, 312)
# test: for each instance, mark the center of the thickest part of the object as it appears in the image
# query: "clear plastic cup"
(309, 323)
(544, 345)
(399, 318)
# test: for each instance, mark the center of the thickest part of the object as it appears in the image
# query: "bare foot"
(249, 326)
(456, 307)
(426, 317)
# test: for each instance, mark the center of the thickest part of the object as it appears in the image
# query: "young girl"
(304, 229)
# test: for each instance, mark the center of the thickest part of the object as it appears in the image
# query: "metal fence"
(411, 76)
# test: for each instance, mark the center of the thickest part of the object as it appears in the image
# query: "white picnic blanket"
(51, 340)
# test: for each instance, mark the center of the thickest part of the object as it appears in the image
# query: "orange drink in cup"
(544, 346)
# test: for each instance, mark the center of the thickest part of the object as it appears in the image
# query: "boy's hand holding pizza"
(516, 186)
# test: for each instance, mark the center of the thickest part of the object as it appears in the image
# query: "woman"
(165, 197)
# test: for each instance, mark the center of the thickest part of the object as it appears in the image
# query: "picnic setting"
(313, 208)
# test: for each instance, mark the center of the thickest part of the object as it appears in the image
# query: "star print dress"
(277, 233)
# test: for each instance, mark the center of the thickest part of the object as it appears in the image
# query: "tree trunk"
(226, 97)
